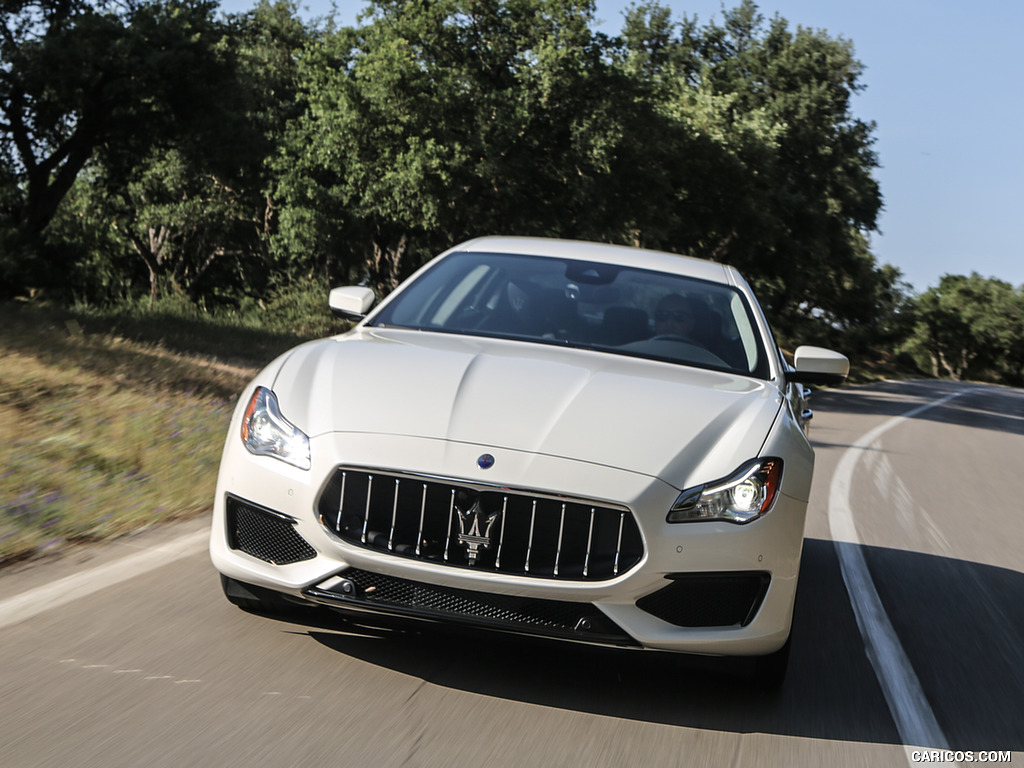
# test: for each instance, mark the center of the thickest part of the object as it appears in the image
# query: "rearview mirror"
(351, 302)
(816, 365)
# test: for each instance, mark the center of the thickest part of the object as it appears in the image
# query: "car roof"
(604, 253)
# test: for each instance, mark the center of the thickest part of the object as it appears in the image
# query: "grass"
(109, 424)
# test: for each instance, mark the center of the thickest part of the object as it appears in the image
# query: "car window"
(606, 307)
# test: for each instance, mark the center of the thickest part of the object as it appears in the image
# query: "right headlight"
(745, 495)
(266, 432)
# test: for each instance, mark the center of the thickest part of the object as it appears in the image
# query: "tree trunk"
(386, 263)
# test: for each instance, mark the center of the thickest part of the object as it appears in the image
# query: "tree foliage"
(151, 145)
(190, 205)
(778, 177)
(971, 327)
(434, 122)
(80, 80)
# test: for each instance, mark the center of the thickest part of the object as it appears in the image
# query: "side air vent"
(708, 599)
(265, 534)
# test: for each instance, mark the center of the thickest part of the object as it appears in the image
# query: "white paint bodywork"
(626, 431)
(351, 300)
(820, 359)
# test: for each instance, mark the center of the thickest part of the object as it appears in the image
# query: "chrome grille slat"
(539, 534)
(561, 530)
(423, 509)
(341, 498)
(529, 546)
(590, 542)
(618, 545)
(448, 537)
(394, 514)
(501, 535)
(366, 514)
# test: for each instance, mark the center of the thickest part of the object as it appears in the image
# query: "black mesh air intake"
(265, 534)
(708, 599)
(535, 616)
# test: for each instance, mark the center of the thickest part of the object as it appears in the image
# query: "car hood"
(683, 425)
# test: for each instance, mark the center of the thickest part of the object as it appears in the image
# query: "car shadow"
(831, 692)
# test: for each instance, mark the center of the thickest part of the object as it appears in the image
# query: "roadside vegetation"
(113, 422)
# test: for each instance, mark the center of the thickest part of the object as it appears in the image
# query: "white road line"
(910, 710)
(63, 591)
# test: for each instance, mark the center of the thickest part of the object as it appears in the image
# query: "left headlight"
(745, 495)
(266, 432)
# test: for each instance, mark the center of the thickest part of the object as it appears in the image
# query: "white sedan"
(569, 440)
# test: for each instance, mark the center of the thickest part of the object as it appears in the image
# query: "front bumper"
(709, 588)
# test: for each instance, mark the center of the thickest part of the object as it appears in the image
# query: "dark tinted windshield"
(610, 308)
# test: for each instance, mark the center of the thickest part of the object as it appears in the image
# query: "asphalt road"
(159, 670)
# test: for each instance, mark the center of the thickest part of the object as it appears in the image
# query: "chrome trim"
(476, 485)
(448, 540)
(541, 534)
(558, 549)
(618, 545)
(501, 535)
(423, 509)
(590, 543)
(366, 513)
(469, 529)
(341, 499)
(394, 515)
(529, 546)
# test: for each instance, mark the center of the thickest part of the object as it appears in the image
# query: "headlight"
(745, 495)
(266, 432)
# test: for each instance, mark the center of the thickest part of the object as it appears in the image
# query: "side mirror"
(351, 302)
(815, 365)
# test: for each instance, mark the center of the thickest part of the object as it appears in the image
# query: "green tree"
(971, 327)
(270, 40)
(195, 210)
(774, 173)
(81, 82)
(435, 122)
(78, 78)
(309, 150)
(180, 220)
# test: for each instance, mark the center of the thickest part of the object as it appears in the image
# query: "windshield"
(605, 307)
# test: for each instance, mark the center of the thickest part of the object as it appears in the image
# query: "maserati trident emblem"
(486, 461)
(475, 529)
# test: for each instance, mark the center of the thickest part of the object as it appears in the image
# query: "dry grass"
(102, 435)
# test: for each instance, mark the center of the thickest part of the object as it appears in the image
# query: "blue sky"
(943, 86)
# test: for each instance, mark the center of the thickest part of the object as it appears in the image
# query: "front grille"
(552, 618)
(488, 528)
(708, 599)
(265, 534)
